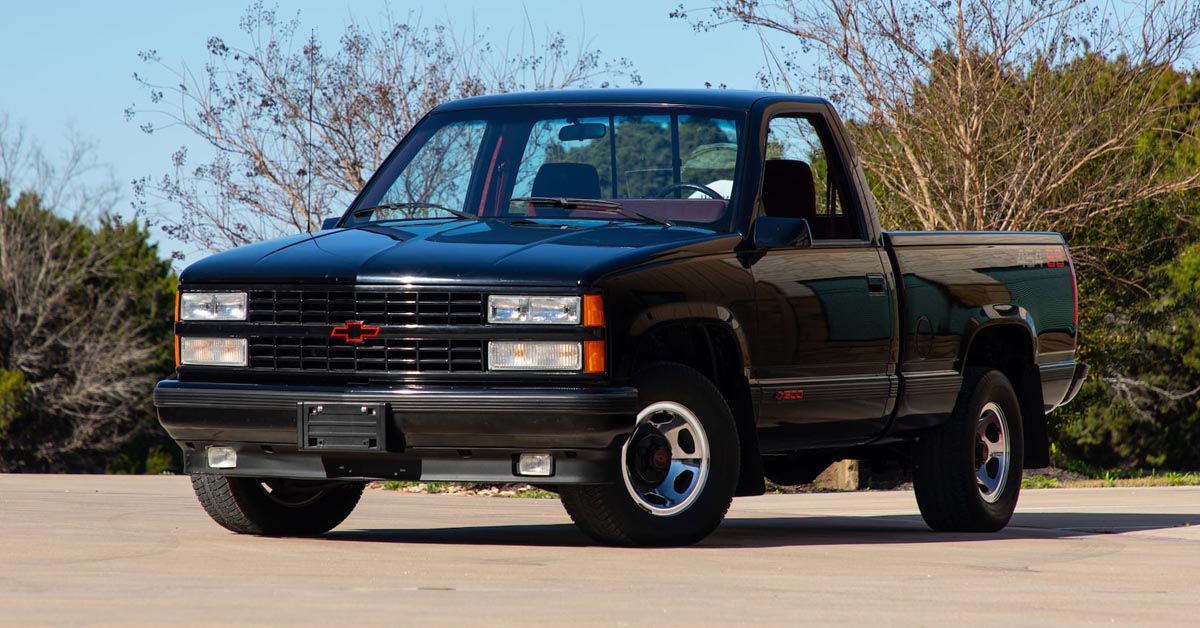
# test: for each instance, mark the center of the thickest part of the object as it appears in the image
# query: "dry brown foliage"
(990, 114)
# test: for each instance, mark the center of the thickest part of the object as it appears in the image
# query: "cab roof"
(723, 98)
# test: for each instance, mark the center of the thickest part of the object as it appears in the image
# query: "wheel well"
(712, 349)
(1006, 348)
(1010, 350)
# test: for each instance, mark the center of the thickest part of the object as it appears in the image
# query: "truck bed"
(952, 285)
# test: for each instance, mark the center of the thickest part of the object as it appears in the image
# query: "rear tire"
(967, 472)
(679, 467)
(276, 507)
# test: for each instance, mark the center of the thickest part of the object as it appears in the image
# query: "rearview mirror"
(773, 232)
(330, 223)
(582, 131)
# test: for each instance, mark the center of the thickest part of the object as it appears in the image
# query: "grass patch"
(1168, 478)
(1038, 481)
(1062, 478)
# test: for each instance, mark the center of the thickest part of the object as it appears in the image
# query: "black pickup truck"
(645, 300)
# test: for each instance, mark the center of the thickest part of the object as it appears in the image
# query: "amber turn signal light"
(593, 310)
(177, 361)
(594, 356)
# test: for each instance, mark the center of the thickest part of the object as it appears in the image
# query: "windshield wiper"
(591, 204)
(363, 211)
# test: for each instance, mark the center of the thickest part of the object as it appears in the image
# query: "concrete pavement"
(78, 550)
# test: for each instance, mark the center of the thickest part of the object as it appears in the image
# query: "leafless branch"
(61, 325)
(290, 128)
(994, 114)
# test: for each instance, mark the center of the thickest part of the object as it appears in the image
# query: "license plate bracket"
(342, 426)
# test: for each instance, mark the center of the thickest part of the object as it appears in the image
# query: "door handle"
(876, 286)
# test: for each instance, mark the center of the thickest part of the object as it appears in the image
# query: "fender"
(993, 315)
(668, 314)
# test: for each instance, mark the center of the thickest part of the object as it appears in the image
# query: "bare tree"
(294, 131)
(991, 114)
(75, 178)
(63, 326)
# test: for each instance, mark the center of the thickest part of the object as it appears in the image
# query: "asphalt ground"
(130, 551)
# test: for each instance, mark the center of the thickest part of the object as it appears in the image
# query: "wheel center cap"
(661, 459)
(650, 457)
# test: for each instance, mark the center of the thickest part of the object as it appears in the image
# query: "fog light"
(535, 464)
(529, 355)
(212, 351)
(222, 457)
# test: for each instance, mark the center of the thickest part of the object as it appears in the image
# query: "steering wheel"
(694, 187)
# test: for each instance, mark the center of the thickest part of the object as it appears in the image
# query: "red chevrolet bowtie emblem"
(354, 331)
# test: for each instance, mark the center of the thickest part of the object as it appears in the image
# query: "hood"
(485, 252)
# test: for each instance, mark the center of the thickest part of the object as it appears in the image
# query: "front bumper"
(433, 433)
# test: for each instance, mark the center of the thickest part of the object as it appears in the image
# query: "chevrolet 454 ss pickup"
(647, 301)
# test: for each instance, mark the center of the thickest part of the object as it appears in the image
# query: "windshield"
(662, 165)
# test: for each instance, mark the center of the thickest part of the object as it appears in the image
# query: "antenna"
(312, 85)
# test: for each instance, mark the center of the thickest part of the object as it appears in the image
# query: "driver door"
(824, 354)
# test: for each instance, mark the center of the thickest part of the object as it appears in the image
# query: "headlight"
(533, 310)
(212, 306)
(212, 351)
(525, 355)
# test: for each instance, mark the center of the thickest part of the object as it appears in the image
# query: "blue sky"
(68, 64)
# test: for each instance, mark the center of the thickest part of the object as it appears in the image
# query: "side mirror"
(330, 223)
(773, 232)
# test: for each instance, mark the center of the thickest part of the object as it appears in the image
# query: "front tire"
(271, 507)
(967, 475)
(679, 468)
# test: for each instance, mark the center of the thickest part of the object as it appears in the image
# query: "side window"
(804, 178)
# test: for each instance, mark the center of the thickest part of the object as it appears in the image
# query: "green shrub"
(122, 464)
(14, 389)
(159, 461)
